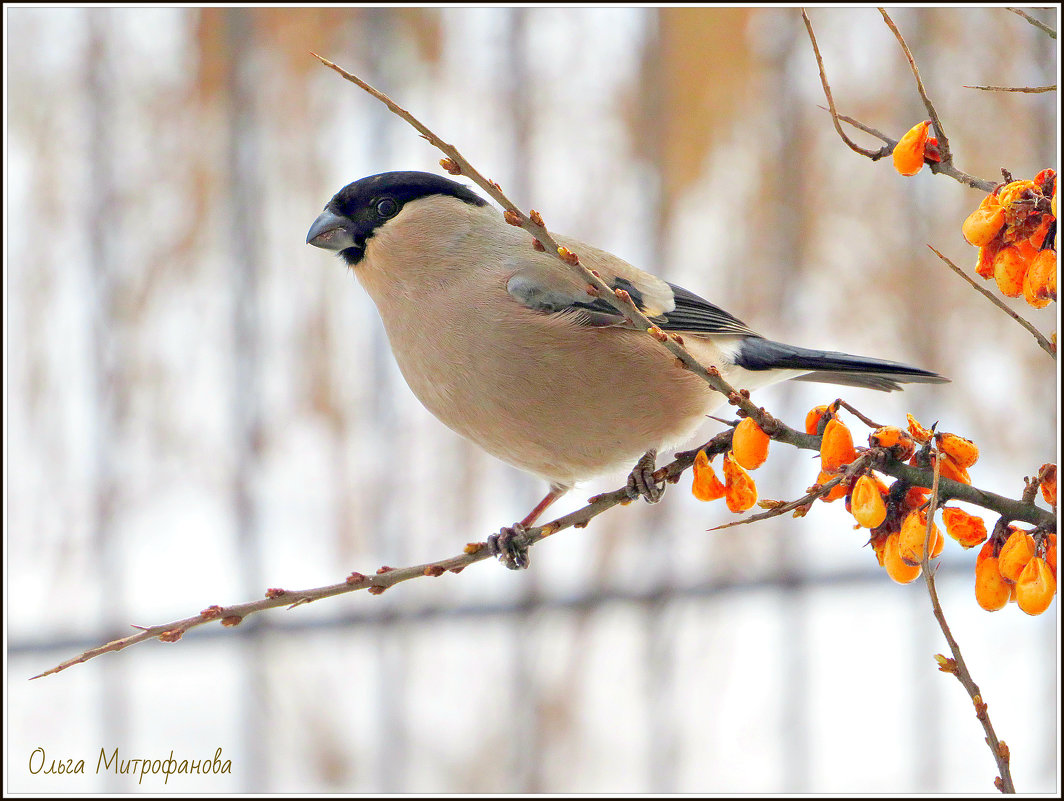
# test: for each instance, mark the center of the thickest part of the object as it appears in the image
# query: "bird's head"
(366, 207)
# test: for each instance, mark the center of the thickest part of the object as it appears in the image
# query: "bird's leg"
(509, 544)
(641, 481)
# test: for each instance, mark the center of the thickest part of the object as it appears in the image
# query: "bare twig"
(940, 131)
(1028, 89)
(957, 665)
(1037, 23)
(945, 167)
(1043, 343)
(875, 155)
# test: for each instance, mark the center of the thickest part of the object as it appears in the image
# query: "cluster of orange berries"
(749, 451)
(1013, 565)
(1012, 229)
(1021, 568)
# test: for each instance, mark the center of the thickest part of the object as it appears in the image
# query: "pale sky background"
(199, 406)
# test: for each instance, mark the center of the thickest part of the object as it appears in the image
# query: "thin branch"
(875, 155)
(1037, 23)
(1043, 343)
(957, 665)
(940, 131)
(1029, 89)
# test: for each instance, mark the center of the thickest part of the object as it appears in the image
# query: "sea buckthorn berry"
(912, 535)
(963, 452)
(1017, 551)
(749, 444)
(836, 492)
(867, 503)
(812, 420)
(984, 223)
(1010, 268)
(984, 265)
(879, 546)
(1040, 281)
(966, 529)
(1016, 198)
(919, 433)
(899, 442)
(950, 469)
(915, 497)
(1048, 486)
(1051, 553)
(1038, 238)
(706, 486)
(909, 152)
(836, 447)
(991, 590)
(897, 569)
(740, 492)
(1035, 587)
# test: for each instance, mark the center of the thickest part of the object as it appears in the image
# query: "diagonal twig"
(1043, 343)
(957, 665)
(1037, 23)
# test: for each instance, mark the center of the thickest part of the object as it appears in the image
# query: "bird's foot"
(641, 483)
(510, 546)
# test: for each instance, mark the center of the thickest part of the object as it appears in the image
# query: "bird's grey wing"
(671, 307)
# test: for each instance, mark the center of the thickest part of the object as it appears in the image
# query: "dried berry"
(706, 486)
(910, 150)
(836, 447)
(740, 492)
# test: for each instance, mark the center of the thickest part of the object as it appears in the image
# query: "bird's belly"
(563, 408)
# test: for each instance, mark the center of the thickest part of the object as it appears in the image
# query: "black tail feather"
(831, 367)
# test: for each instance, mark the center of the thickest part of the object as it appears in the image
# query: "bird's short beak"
(330, 231)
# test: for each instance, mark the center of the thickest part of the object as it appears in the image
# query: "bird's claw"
(641, 483)
(510, 546)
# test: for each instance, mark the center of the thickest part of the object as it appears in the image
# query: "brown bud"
(232, 620)
(274, 592)
(451, 166)
(535, 217)
(512, 217)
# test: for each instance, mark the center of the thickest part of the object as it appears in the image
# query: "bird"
(509, 348)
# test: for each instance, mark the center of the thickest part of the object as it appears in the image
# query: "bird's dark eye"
(387, 208)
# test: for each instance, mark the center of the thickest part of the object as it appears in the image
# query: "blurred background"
(199, 406)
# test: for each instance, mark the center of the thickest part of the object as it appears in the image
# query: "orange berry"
(749, 444)
(909, 152)
(991, 590)
(966, 529)
(1017, 551)
(912, 536)
(915, 497)
(836, 492)
(950, 469)
(812, 420)
(899, 442)
(1016, 198)
(963, 452)
(1010, 268)
(1038, 238)
(1035, 587)
(1040, 280)
(898, 570)
(984, 265)
(1049, 483)
(706, 486)
(919, 433)
(867, 503)
(740, 492)
(984, 223)
(836, 447)
(1051, 553)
